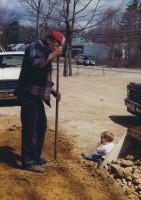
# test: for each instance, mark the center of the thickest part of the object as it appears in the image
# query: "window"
(11, 61)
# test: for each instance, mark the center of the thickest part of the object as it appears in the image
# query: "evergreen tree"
(133, 5)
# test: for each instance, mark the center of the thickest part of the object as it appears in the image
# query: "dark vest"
(34, 75)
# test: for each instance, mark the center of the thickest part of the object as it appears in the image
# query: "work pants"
(34, 123)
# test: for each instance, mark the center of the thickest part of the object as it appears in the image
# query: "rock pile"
(127, 173)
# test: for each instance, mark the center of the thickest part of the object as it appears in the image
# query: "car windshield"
(11, 61)
(91, 57)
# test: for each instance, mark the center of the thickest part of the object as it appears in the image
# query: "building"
(83, 44)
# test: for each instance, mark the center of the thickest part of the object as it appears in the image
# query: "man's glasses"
(58, 44)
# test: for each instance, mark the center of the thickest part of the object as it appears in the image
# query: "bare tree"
(107, 32)
(72, 13)
(39, 11)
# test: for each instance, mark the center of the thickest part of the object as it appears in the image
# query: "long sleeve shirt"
(33, 78)
(105, 149)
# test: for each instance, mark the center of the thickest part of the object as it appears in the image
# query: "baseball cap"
(58, 36)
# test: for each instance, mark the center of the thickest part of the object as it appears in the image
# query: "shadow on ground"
(8, 156)
(126, 121)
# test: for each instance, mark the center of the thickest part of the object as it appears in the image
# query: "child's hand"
(99, 144)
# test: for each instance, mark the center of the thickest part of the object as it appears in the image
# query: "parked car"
(85, 60)
(89, 60)
(79, 56)
(10, 67)
(133, 100)
(80, 59)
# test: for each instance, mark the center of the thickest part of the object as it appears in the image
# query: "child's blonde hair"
(108, 135)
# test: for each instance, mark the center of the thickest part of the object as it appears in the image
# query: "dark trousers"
(34, 123)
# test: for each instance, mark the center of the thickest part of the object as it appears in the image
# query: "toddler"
(103, 149)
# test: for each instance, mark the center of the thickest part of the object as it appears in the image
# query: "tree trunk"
(70, 60)
(66, 58)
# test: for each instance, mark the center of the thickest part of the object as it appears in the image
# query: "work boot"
(34, 168)
(42, 160)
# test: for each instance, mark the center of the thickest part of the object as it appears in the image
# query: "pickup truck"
(10, 67)
(133, 100)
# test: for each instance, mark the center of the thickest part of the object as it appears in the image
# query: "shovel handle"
(57, 109)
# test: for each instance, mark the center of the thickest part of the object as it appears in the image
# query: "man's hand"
(56, 94)
(58, 51)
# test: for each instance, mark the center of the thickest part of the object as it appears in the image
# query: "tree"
(28, 34)
(13, 33)
(71, 14)
(130, 27)
(39, 11)
(68, 13)
(107, 32)
(73, 11)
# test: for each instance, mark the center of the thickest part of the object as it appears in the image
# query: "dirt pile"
(71, 177)
(127, 172)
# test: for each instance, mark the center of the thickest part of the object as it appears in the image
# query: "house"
(83, 44)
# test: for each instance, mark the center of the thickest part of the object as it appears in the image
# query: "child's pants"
(94, 157)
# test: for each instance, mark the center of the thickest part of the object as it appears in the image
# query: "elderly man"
(35, 86)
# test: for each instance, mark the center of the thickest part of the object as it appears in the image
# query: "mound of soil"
(68, 178)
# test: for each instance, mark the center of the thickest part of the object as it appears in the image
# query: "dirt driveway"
(91, 103)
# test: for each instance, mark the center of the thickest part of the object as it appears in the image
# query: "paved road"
(104, 68)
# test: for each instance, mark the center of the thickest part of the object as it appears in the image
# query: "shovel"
(57, 165)
(57, 108)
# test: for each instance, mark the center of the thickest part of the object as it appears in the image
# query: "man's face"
(53, 45)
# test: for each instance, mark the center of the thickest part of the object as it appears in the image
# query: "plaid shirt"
(33, 78)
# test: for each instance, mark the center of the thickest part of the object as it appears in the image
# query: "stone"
(129, 191)
(108, 163)
(139, 187)
(129, 183)
(136, 175)
(137, 181)
(137, 162)
(119, 181)
(127, 172)
(130, 157)
(127, 163)
(106, 167)
(135, 167)
(124, 181)
(109, 168)
(136, 170)
(124, 186)
(118, 161)
(129, 178)
(116, 169)
(129, 169)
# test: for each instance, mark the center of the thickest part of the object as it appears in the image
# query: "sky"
(104, 3)
(11, 3)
